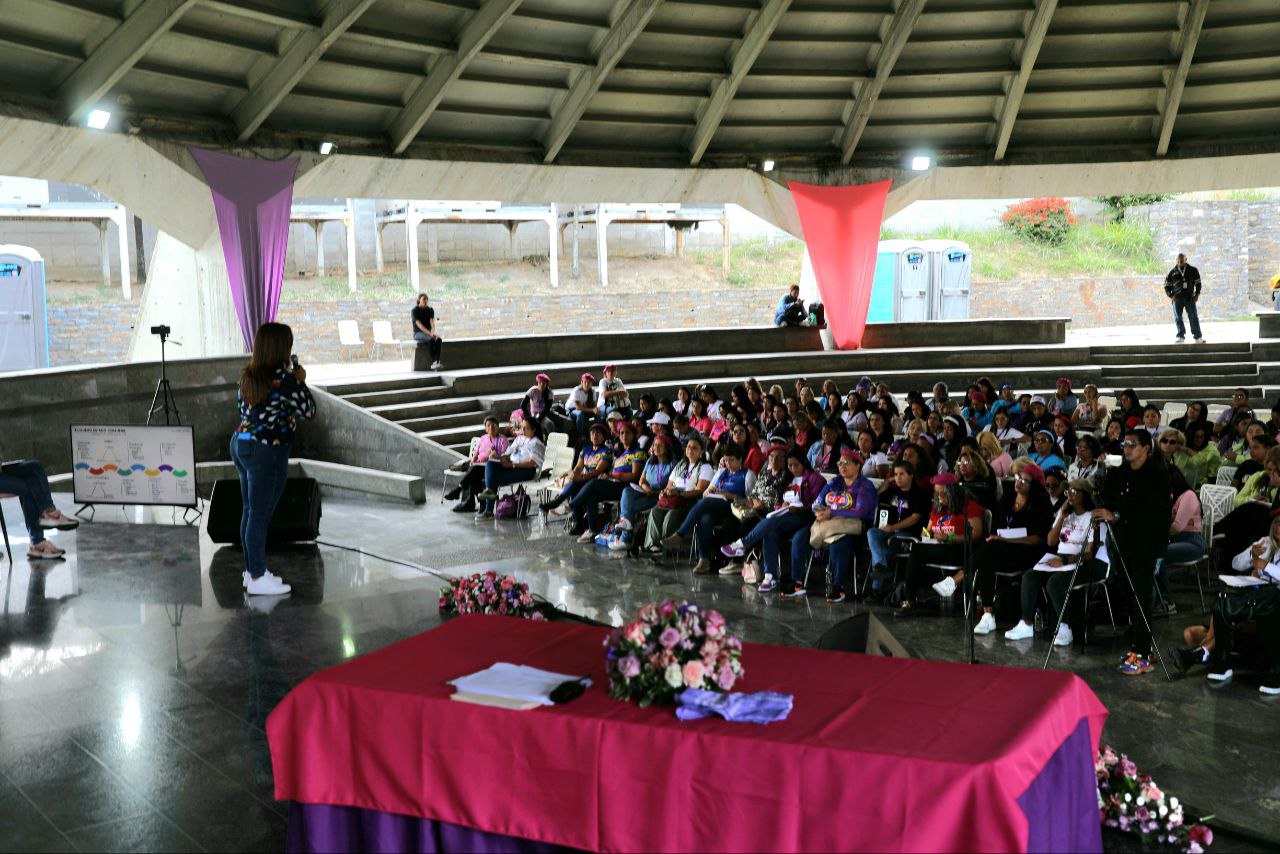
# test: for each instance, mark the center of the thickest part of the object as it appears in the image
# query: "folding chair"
(452, 472)
(1088, 587)
(382, 335)
(4, 529)
(1215, 503)
(1225, 475)
(349, 335)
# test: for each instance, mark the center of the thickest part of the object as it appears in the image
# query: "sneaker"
(1179, 339)
(624, 524)
(45, 551)
(486, 495)
(702, 567)
(266, 585)
(484, 513)
(798, 592)
(1064, 636)
(1270, 683)
(245, 577)
(587, 536)
(946, 587)
(1135, 665)
(767, 584)
(435, 366)
(836, 596)
(1199, 340)
(1219, 672)
(57, 521)
(733, 550)
(1020, 632)
(1164, 608)
(731, 569)
(620, 543)
(986, 625)
(674, 541)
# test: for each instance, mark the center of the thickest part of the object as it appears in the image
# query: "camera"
(160, 330)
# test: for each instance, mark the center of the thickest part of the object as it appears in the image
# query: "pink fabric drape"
(252, 199)
(841, 228)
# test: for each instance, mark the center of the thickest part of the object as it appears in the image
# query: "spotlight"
(326, 147)
(97, 119)
(921, 163)
(767, 166)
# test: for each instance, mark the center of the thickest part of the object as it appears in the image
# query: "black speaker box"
(296, 520)
(862, 633)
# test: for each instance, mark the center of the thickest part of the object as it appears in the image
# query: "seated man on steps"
(790, 310)
(26, 480)
(424, 329)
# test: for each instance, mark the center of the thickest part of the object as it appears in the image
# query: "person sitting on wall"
(27, 480)
(581, 406)
(790, 311)
(424, 329)
(613, 394)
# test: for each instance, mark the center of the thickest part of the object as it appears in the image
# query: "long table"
(877, 754)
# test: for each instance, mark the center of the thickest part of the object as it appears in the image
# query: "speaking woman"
(273, 396)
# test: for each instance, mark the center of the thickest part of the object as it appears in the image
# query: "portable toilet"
(24, 331)
(952, 271)
(903, 275)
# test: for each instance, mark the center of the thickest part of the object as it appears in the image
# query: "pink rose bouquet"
(1130, 802)
(488, 593)
(669, 647)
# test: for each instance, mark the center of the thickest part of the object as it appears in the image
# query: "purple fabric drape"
(1061, 804)
(252, 199)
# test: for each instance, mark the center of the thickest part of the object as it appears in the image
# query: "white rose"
(673, 676)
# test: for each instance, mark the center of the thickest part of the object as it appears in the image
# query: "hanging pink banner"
(252, 199)
(841, 228)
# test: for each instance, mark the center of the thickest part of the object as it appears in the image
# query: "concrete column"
(671, 242)
(377, 245)
(577, 271)
(513, 250)
(411, 249)
(104, 252)
(122, 236)
(319, 229)
(679, 242)
(553, 254)
(602, 247)
(189, 291)
(433, 243)
(351, 245)
(724, 224)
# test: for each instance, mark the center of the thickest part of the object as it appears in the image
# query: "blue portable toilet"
(24, 330)
(900, 289)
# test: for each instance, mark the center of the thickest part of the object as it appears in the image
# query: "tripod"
(163, 400)
(970, 593)
(1066, 600)
(1114, 544)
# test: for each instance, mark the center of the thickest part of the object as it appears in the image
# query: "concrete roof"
(812, 84)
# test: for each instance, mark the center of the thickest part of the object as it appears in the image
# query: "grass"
(755, 263)
(1092, 249)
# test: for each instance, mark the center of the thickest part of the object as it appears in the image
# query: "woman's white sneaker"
(1020, 632)
(986, 625)
(1064, 636)
(266, 585)
(946, 587)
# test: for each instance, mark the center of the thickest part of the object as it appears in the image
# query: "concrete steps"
(425, 409)
(415, 381)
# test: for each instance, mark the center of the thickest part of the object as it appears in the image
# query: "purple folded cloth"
(761, 707)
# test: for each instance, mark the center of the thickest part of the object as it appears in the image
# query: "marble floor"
(135, 681)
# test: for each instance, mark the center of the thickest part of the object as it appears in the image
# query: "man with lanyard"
(1182, 286)
(424, 329)
(1136, 502)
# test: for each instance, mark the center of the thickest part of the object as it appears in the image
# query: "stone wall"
(1097, 301)
(92, 334)
(1264, 249)
(1214, 236)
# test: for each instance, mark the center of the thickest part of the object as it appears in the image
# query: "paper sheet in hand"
(516, 682)
(1241, 581)
(1043, 564)
(1012, 533)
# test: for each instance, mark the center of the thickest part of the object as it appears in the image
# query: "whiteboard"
(133, 464)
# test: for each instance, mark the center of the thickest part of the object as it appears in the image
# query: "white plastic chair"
(1215, 503)
(552, 463)
(1108, 402)
(1172, 410)
(1215, 409)
(452, 472)
(382, 335)
(349, 335)
(1225, 475)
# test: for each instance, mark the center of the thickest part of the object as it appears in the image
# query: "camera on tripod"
(162, 331)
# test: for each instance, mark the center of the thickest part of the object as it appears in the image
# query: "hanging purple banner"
(252, 199)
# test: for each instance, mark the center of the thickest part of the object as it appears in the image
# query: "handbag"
(667, 501)
(752, 572)
(513, 505)
(744, 512)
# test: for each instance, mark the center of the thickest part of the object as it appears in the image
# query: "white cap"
(660, 418)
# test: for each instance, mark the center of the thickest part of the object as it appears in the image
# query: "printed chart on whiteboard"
(134, 464)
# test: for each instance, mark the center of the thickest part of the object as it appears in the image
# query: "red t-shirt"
(945, 525)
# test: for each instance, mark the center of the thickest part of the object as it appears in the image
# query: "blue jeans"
(883, 547)
(496, 477)
(586, 504)
(701, 523)
(28, 481)
(634, 503)
(1183, 548)
(1179, 305)
(582, 420)
(263, 471)
(840, 554)
(769, 535)
(571, 490)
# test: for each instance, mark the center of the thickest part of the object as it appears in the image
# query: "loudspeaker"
(862, 633)
(296, 520)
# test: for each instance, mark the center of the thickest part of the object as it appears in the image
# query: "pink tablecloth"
(878, 754)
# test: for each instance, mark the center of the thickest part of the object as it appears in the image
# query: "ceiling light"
(767, 166)
(326, 147)
(97, 119)
(920, 163)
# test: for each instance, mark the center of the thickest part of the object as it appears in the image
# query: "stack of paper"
(510, 686)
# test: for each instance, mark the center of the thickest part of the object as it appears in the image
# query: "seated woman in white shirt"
(521, 462)
(1002, 428)
(581, 405)
(1090, 413)
(688, 480)
(681, 403)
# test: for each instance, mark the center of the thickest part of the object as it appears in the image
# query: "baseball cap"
(588, 376)
(542, 378)
(1037, 399)
(660, 418)
(611, 367)
(615, 415)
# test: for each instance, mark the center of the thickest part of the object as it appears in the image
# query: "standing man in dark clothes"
(1182, 287)
(1137, 504)
(424, 329)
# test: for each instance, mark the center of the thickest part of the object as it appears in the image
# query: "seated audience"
(1036, 418)
(1065, 436)
(1044, 450)
(1197, 411)
(730, 481)
(843, 511)
(521, 462)
(689, 479)
(903, 509)
(27, 480)
(1128, 408)
(1239, 408)
(1063, 401)
(1055, 484)
(790, 310)
(1005, 433)
(613, 393)
(1021, 528)
(977, 414)
(1197, 456)
(1090, 413)
(642, 496)
(953, 517)
(681, 403)
(1089, 464)
(626, 466)
(1260, 604)
(824, 454)
(712, 400)
(953, 430)
(1113, 437)
(805, 433)
(996, 457)
(1151, 415)
(537, 402)
(1186, 539)
(1232, 443)
(764, 496)
(581, 406)
(593, 461)
(1258, 447)
(976, 478)
(1247, 521)
(698, 418)
(940, 397)
(492, 443)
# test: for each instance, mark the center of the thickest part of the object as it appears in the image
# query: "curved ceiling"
(807, 83)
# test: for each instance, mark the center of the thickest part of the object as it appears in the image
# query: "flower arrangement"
(1129, 801)
(669, 647)
(488, 593)
(1042, 220)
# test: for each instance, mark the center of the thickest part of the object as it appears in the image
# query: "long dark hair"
(272, 344)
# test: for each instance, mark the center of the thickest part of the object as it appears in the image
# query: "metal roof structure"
(811, 84)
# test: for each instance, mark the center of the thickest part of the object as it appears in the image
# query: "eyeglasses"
(1170, 442)
(1023, 479)
(1074, 491)
(1130, 443)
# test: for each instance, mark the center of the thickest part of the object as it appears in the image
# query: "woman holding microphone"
(273, 396)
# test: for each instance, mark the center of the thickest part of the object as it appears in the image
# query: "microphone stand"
(1142, 610)
(1092, 534)
(970, 593)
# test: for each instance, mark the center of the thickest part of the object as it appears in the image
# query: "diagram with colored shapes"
(106, 459)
